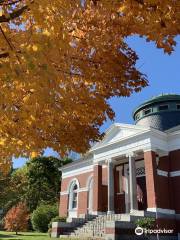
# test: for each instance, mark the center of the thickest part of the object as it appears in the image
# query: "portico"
(136, 164)
(131, 169)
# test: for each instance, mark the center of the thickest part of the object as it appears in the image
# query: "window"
(147, 111)
(74, 197)
(163, 107)
(137, 116)
(178, 106)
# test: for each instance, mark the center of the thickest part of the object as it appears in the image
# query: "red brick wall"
(82, 196)
(63, 206)
(163, 192)
(82, 202)
(163, 185)
(82, 178)
(175, 181)
(151, 178)
(164, 163)
(175, 160)
(176, 193)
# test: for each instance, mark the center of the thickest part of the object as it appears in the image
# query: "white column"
(120, 169)
(110, 187)
(132, 183)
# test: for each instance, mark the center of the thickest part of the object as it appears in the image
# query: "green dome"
(161, 112)
(158, 99)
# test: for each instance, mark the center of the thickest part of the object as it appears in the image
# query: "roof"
(158, 99)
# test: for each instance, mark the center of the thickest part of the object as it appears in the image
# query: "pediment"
(118, 132)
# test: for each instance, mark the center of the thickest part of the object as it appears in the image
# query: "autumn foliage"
(61, 61)
(17, 218)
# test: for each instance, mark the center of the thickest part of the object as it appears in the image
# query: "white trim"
(104, 166)
(72, 212)
(64, 193)
(175, 174)
(143, 175)
(72, 182)
(77, 171)
(85, 189)
(90, 195)
(89, 181)
(162, 173)
(98, 213)
(161, 210)
(81, 162)
(120, 193)
(149, 149)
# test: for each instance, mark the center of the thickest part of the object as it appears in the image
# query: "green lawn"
(24, 236)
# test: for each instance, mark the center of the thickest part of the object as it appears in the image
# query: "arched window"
(74, 197)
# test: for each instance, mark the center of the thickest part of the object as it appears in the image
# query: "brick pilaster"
(82, 203)
(97, 189)
(63, 206)
(175, 180)
(151, 178)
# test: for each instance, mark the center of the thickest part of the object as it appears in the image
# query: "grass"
(24, 236)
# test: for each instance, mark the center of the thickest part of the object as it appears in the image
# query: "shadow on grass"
(6, 236)
(19, 236)
(30, 235)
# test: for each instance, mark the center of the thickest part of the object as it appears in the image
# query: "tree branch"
(13, 15)
(4, 54)
(5, 3)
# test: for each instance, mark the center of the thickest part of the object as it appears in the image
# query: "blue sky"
(163, 73)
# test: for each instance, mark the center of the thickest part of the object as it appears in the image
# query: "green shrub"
(42, 216)
(146, 222)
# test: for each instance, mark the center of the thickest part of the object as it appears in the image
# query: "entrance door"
(141, 186)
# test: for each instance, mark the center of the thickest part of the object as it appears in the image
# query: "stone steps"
(95, 228)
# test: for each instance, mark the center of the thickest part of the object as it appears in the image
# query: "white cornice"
(77, 171)
(76, 163)
(118, 141)
(118, 126)
(150, 131)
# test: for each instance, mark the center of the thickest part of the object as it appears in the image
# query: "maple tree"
(60, 62)
(13, 187)
(17, 218)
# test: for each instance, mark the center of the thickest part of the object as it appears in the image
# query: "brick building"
(135, 168)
